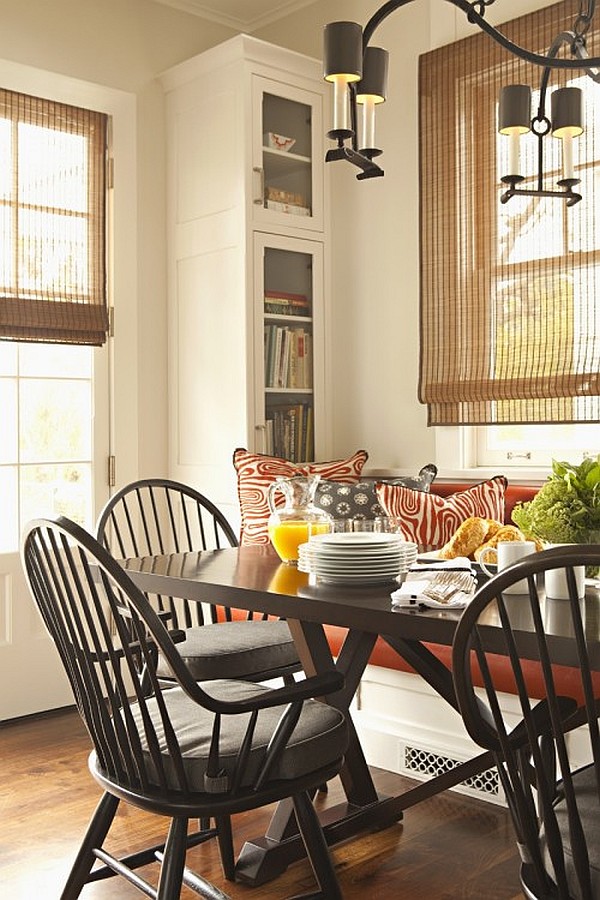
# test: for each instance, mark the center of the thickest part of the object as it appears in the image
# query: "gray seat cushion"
(586, 789)
(319, 738)
(235, 650)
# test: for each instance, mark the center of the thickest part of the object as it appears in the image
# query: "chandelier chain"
(583, 21)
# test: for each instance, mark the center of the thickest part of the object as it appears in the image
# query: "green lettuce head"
(566, 509)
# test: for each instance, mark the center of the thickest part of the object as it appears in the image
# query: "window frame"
(47, 306)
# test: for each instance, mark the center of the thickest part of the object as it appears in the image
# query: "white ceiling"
(243, 15)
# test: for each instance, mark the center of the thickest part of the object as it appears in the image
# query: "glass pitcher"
(298, 519)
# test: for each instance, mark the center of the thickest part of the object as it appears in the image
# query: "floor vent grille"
(419, 761)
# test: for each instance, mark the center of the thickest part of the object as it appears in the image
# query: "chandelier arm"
(477, 18)
(565, 37)
(580, 50)
(378, 17)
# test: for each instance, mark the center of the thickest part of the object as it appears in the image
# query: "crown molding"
(242, 15)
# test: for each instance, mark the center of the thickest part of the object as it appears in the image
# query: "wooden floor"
(447, 848)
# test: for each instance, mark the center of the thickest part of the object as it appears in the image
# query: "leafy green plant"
(566, 509)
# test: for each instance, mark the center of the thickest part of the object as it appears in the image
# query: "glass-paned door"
(287, 155)
(54, 444)
(289, 346)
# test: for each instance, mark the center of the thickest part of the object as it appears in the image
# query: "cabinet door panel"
(287, 151)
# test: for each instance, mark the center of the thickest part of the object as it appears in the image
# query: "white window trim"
(122, 239)
(455, 454)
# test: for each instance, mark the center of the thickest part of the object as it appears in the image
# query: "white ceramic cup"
(509, 552)
(555, 582)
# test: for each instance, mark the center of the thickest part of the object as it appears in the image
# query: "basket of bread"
(476, 535)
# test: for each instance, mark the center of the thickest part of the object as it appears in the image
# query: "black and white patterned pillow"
(348, 501)
(420, 482)
(359, 501)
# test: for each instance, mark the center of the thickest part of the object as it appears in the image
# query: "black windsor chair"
(156, 516)
(547, 750)
(185, 752)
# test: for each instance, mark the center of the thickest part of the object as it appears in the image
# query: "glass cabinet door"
(287, 158)
(288, 346)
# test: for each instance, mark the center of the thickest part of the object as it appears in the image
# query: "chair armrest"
(315, 686)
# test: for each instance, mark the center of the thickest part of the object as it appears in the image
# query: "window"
(52, 221)
(510, 294)
(46, 440)
(52, 294)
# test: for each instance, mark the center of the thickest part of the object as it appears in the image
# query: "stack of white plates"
(356, 557)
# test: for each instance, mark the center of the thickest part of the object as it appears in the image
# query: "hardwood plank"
(448, 848)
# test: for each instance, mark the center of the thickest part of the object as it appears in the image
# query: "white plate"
(332, 570)
(355, 566)
(368, 551)
(352, 539)
(317, 553)
(357, 579)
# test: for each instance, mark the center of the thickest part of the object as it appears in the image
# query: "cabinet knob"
(260, 181)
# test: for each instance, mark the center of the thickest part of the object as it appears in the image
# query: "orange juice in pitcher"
(298, 519)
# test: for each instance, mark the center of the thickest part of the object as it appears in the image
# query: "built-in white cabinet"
(247, 251)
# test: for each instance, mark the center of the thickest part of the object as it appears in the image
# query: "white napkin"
(447, 584)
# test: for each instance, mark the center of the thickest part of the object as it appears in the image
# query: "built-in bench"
(382, 654)
(404, 725)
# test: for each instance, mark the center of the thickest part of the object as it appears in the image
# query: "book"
(289, 431)
(285, 358)
(280, 303)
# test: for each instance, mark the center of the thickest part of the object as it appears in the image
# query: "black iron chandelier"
(358, 72)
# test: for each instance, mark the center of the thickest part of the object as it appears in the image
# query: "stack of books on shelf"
(283, 304)
(288, 357)
(289, 432)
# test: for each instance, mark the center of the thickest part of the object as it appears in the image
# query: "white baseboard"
(406, 727)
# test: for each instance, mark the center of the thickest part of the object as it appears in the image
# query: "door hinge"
(111, 321)
(112, 471)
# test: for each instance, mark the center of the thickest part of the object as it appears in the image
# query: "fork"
(445, 585)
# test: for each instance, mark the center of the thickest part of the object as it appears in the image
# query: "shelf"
(279, 164)
(287, 155)
(271, 390)
(279, 317)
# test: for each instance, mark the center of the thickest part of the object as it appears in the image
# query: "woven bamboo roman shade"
(510, 294)
(52, 222)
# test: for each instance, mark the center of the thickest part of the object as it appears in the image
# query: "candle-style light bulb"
(567, 123)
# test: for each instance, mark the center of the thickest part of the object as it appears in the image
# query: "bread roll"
(493, 527)
(470, 535)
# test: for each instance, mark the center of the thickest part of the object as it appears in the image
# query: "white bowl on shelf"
(278, 141)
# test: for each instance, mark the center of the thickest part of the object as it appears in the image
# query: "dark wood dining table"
(251, 578)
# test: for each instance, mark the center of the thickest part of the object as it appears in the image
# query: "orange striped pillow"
(430, 521)
(256, 472)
